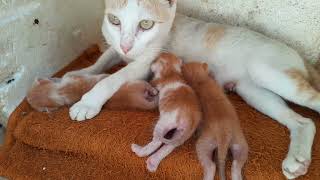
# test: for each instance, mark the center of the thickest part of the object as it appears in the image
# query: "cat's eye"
(114, 20)
(146, 24)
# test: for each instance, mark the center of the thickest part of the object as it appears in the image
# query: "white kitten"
(263, 70)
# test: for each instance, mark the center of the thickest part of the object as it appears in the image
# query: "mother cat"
(264, 70)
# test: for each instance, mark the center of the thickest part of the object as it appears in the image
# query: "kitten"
(262, 70)
(49, 94)
(220, 128)
(179, 108)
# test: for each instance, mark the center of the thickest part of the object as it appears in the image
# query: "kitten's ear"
(41, 81)
(163, 61)
(180, 61)
(205, 67)
(154, 66)
(171, 2)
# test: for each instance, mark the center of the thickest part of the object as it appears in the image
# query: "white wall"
(69, 26)
(27, 50)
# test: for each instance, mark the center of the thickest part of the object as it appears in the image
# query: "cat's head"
(135, 27)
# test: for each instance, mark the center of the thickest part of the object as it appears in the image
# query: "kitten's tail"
(314, 74)
(222, 155)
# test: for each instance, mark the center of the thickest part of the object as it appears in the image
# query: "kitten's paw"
(295, 165)
(153, 91)
(152, 164)
(137, 150)
(150, 93)
(82, 111)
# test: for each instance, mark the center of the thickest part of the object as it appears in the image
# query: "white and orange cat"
(266, 72)
(180, 111)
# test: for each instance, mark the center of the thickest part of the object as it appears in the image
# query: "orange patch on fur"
(158, 7)
(213, 35)
(314, 74)
(303, 83)
(169, 67)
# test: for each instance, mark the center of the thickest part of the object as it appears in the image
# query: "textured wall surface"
(295, 22)
(39, 37)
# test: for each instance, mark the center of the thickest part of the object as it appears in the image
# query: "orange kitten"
(220, 128)
(52, 93)
(179, 108)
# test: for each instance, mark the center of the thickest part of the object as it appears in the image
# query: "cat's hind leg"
(146, 150)
(205, 148)
(239, 149)
(302, 130)
(154, 160)
(289, 83)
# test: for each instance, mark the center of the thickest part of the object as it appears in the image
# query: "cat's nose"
(126, 47)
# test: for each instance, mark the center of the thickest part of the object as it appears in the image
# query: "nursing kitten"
(180, 111)
(220, 128)
(264, 71)
(52, 93)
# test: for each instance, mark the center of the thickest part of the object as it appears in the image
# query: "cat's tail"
(314, 74)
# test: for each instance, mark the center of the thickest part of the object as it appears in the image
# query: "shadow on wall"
(2, 133)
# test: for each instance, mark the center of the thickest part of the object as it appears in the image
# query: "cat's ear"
(180, 61)
(205, 67)
(172, 2)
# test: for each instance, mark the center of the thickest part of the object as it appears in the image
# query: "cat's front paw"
(84, 110)
(295, 166)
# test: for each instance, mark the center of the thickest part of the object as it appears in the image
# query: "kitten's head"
(134, 27)
(195, 71)
(165, 64)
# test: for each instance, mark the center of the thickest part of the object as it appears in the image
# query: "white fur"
(170, 87)
(167, 121)
(243, 56)
(156, 69)
(154, 160)
(146, 150)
